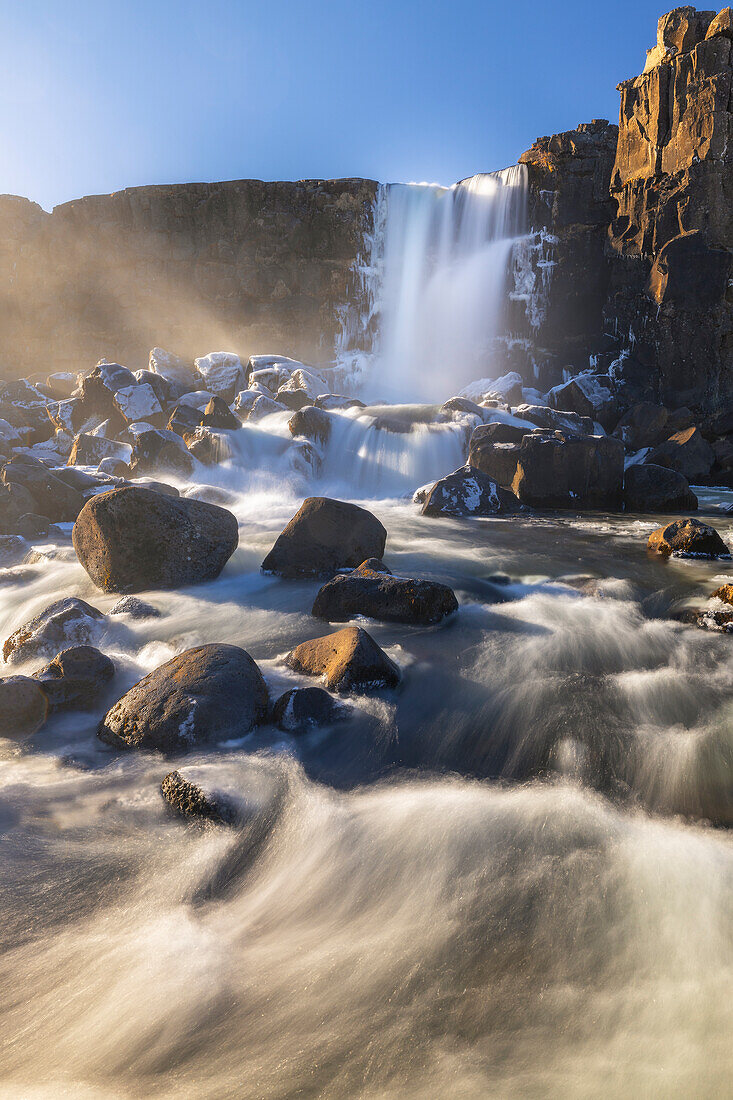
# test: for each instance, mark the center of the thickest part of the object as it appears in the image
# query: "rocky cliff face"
(241, 265)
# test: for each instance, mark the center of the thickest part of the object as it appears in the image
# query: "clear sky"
(96, 96)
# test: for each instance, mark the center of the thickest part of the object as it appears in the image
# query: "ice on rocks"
(222, 372)
(138, 402)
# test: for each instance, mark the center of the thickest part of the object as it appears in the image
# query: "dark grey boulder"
(23, 707)
(159, 452)
(468, 492)
(687, 452)
(558, 471)
(67, 622)
(135, 608)
(76, 678)
(323, 536)
(303, 709)
(650, 488)
(50, 495)
(210, 693)
(311, 423)
(132, 539)
(217, 414)
(377, 595)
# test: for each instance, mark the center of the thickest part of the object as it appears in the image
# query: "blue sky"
(96, 96)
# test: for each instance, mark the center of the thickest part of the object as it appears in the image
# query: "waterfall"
(437, 281)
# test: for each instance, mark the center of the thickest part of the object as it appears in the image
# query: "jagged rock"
(468, 492)
(197, 800)
(75, 678)
(303, 380)
(290, 399)
(490, 434)
(686, 452)
(185, 419)
(263, 406)
(207, 446)
(348, 660)
(90, 450)
(569, 423)
(171, 366)
(650, 488)
(683, 28)
(68, 415)
(217, 414)
(644, 425)
(302, 709)
(13, 548)
(244, 402)
(99, 388)
(49, 495)
(166, 390)
(586, 395)
(688, 538)
(570, 472)
(132, 539)
(496, 452)
(377, 595)
(210, 693)
(722, 25)
(160, 452)
(137, 402)
(135, 608)
(312, 423)
(67, 622)
(223, 373)
(323, 536)
(724, 593)
(23, 706)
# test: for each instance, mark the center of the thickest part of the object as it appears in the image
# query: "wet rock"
(90, 450)
(76, 678)
(724, 593)
(497, 460)
(138, 402)
(13, 548)
(210, 693)
(192, 800)
(644, 425)
(135, 608)
(323, 536)
(67, 622)
(264, 406)
(461, 406)
(330, 401)
(23, 707)
(207, 446)
(114, 467)
(468, 492)
(303, 380)
(223, 373)
(507, 388)
(650, 488)
(160, 452)
(570, 472)
(687, 452)
(303, 709)
(290, 399)
(312, 423)
(688, 538)
(50, 496)
(184, 419)
(32, 526)
(133, 539)
(217, 414)
(542, 416)
(378, 595)
(348, 660)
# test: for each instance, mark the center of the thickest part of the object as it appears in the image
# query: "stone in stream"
(210, 693)
(50, 496)
(184, 419)
(649, 488)
(302, 709)
(377, 594)
(323, 536)
(217, 414)
(135, 608)
(558, 471)
(687, 452)
(32, 526)
(468, 492)
(13, 548)
(69, 621)
(75, 678)
(23, 707)
(90, 450)
(196, 800)
(688, 538)
(494, 454)
(223, 373)
(312, 423)
(724, 593)
(133, 539)
(158, 452)
(348, 660)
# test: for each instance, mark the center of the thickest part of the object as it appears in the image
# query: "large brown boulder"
(348, 660)
(557, 471)
(687, 452)
(468, 492)
(312, 423)
(23, 707)
(75, 678)
(132, 539)
(378, 595)
(210, 693)
(650, 488)
(67, 622)
(688, 538)
(497, 460)
(323, 536)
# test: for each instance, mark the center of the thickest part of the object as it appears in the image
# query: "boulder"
(244, 401)
(303, 380)
(323, 536)
(198, 800)
(312, 423)
(67, 622)
(264, 406)
(468, 492)
(724, 593)
(114, 467)
(542, 416)
(290, 399)
(31, 526)
(217, 414)
(61, 384)
(166, 390)
(223, 373)
(99, 388)
(378, 595)
(348, 660)
(329, 401)
(15, 501)
(497, 459)
(644, 425)
(13, 548)
(556, 471)
(171, 366)
(138, 402)
(135, 608)
(75, 678)
(588, 396)
(207, 446)
(687, 452)
(160, 452)
(302, 709)
(23, 706)
(650, 488)
(132, 539)
(49, 495)
(210, 693)
(185, 419)
(508, 388)
(461, 406)
(68, 415)
(688, 538)
(90, 450)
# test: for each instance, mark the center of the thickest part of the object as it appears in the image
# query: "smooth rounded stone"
(312, 423)
(199, 800)
(161, 487)
(23, 707)
(688, 538)
(15, 501)
(160, 452)
(323, 536)
(210, 693)
(13, 549)
(132, 539)
(303, 709)
(80, 480)
(348, 660)
(222, 372)
(61, 384)
(468, 492)
(210, 494)
(378, 595)
(687, 452)
(75, 678)
(217, 414)
(31, 526)
(304, 380)
(50, 495)
(67, 622)
(649, 488)
(113, 467)
(135, 608)
(331, 401)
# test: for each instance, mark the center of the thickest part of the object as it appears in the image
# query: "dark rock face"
(210, 693)
(558, 472)
(323, 536)
(649, 488)
(23, 707)
(67, 622)
(686, 452)
(497, 460)
(468, 492)
(688, 537)
(302, 709)
(217, 414)
(348, 660)
(378, 595)
(587, 396)
(312, 423)
(160, 452)
(184, 419)
(133, 539)
(643, 425)
(49, 495)
(75, 678)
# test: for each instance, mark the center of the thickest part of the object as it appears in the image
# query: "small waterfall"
(436, 279)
